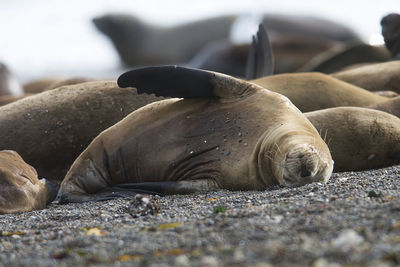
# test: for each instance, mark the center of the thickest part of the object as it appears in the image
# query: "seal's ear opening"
(260, 61)
(51, 190)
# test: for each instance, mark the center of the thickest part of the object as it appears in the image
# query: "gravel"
(354, 220)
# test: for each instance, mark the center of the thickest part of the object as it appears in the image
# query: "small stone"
(347, 240)
(321, 262)
(209, 261)
(182, 260)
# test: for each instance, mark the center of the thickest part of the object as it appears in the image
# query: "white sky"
(56, 37)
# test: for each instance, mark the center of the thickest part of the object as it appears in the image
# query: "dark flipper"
(169, 81)
(173, 81)
(260, 61)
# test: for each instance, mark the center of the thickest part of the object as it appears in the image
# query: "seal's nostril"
(304, 171)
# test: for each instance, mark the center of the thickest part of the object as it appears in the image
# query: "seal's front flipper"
(173, 81)
(170, 188)
(260, 61)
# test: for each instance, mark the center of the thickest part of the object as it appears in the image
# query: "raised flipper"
(132, 189)
(174, 81)
(260, 61)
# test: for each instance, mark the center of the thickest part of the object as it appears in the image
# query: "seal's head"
(127, 33)
(391, 32)
(295, 155)
(20, 189)
(305, 164)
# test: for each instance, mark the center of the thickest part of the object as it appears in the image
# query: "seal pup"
(20, 188)
(140, 44)
(359, 138)
(8, 83)
(391, 34)
(49, 130)
(374, 77)
(224, 133)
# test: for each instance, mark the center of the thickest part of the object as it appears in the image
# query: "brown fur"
(20, 188)
(49, 130)
(314, 91)
(391, 106)
(374, 77)
(41, 85)
(7, 99)
(359, 138)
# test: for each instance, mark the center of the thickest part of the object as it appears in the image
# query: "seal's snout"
(303, 164)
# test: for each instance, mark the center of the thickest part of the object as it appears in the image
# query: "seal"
(224, 133)
(49, 130)
(8, 83)
(308, 27)
(390, 25)
(373, 77)
(359, 138)
(345, 56)
(20, 188)
(314, 91)
(140, 44)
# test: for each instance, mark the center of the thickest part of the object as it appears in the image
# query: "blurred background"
(44, 38)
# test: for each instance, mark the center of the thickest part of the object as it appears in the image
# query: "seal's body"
(314, 91)
(359, 138)
(373, 77)
(226, 133)
(49, 130)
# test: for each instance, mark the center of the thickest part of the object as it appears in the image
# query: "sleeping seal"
(314, 91)
(359, 138)
(224, 133)
(20, 188)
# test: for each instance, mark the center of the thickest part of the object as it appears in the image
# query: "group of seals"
(224, 133)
